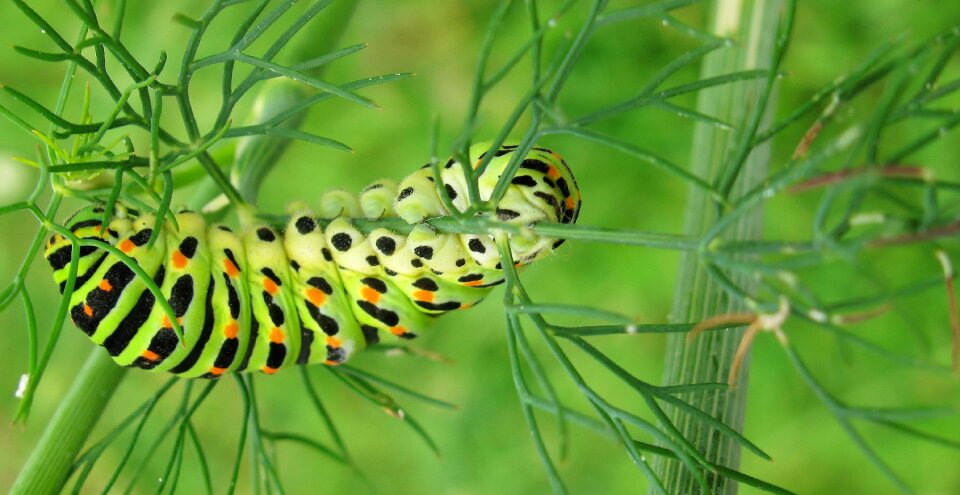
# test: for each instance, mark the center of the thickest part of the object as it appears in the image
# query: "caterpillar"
(264, 299)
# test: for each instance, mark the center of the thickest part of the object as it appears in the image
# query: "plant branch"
(735, 167)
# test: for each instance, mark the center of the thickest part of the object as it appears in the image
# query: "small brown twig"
(758, 322)
(949, 229)
(892, 171)
(720, 321)
(951, 304)
(861, 316)
(808, 137)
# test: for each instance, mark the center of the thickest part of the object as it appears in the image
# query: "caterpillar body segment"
(264, 299)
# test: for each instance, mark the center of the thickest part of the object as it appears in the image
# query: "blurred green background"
(485, 444)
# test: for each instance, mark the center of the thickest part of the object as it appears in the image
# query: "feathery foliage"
(860, 165)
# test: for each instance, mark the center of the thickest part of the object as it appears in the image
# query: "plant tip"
(22, 385)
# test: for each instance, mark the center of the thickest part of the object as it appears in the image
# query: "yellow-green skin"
(261, 299)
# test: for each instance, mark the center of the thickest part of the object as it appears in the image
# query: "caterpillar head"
(542, 190)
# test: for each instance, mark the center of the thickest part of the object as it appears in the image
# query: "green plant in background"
(877, 199)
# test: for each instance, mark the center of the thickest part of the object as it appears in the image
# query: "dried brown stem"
(952, 305)
(891, 171)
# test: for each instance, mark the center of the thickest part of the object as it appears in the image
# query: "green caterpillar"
(263, 299)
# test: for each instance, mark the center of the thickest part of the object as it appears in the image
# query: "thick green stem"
(47, 468)
(753, 25)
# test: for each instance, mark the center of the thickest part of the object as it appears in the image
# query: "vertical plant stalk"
(49, 464)
(753, 25)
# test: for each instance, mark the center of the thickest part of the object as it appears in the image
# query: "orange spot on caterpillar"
(398, 330)
(555, 155)
(268, 370)
(87, 310)
(316, 296)
(569, 202)
(277, 335)
(369, 295)
(333, 341)
(126, 246)
(464, 305)
(105, 285)
(230, 268)
(230, 331)
(552, 172)
(423, 295)
(165, 321)
(330, 363)
(150, 355)
(178, 259)
(473, 283)
(217, 371)
(270, 286)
